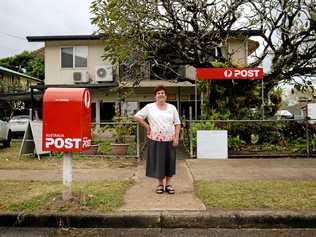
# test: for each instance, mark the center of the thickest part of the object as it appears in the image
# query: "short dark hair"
(159, 88)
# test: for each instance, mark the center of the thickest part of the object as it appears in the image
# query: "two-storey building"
(76, 61)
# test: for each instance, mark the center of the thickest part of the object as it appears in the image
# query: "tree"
(290, 38)
(172, 33)
(25, 62)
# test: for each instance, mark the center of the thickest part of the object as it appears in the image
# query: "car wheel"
(7, 142)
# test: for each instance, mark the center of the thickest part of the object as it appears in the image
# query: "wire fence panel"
(108, 133)
(290, 137)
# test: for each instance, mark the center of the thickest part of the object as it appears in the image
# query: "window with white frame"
(74, 57)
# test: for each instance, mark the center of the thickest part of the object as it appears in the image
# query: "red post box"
(66, 119)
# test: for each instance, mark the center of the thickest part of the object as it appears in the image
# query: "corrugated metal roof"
(7, 70)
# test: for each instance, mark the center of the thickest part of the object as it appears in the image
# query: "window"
(74, 57)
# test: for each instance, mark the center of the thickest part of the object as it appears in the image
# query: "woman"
(162, 130)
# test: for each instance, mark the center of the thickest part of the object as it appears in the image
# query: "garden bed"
(267, 155)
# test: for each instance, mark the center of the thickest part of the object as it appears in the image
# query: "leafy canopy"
(25, 62)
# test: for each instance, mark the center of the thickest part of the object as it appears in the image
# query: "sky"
(21, 18)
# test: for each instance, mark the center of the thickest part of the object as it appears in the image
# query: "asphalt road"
(155, 232)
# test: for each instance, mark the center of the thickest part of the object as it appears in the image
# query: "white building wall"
(54, 74)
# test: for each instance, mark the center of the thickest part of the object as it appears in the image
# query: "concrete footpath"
(144, 208)
(142, 196)
(253, 169)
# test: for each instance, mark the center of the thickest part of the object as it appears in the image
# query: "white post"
(190, 124)
(137, 140)
(178, 100)
(195, 99)
(67, 176)
(262, 98)
(97, 114)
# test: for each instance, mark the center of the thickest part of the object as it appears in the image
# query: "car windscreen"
(20, 117)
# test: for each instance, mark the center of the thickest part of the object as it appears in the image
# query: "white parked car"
(284, 114)
(18, 123)
(5, 134)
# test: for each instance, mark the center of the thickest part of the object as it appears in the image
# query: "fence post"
(307, 138)
(262, 99)
(137, 140)
(190, 132)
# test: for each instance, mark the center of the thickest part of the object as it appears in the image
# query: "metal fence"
(106, 133)
(261, 138)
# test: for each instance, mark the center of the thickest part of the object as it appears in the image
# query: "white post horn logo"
(228, 73)
(87, 99)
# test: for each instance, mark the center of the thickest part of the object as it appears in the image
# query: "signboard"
(229, 73)
(311, 110)
(66, 119)
(32, 140)
(212, 144)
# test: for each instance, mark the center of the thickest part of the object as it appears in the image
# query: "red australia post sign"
(229, 73)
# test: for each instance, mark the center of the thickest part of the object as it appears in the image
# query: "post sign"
(66, 119)
(229, 73)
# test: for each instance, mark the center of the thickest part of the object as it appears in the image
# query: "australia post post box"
(66, 119)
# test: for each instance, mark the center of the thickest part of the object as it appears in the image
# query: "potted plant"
(122, 129)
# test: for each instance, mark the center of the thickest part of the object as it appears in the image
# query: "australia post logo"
(229, 73)
(66, 143)
(87, 99)
(241, 73)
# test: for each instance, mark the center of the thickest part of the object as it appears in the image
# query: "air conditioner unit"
(80, 77)
(104, 73)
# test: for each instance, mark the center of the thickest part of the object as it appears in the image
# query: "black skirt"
(161, 159)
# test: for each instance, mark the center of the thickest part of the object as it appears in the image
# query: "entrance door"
(107, 111)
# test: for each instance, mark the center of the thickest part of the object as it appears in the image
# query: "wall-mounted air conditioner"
(80, 77)
(104, 73)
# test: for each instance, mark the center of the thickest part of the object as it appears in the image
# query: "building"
(15, 87)
(76, 61)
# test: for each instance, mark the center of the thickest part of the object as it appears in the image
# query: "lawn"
(9, 160)
(257, 194)
(46, 197)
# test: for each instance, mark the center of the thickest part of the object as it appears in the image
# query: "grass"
(46, 197)
(257, 194)
(9, 160)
